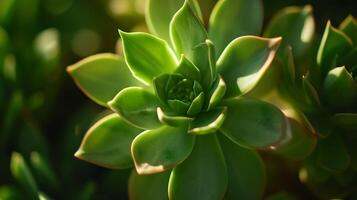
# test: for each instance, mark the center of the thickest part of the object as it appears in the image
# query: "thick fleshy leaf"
(295, 25)
(245, 170)
(187, 69)
(334, 43)
(160, 13)
(253, 123)
(107, 143)
(23, 176)
(217, 93)
(340, 90)
(203, 175)
(172, 120)
(346, 121)
(349, 27)
(153, 186)
(332, 155)
(178, 107)
(196, 105)
(186, 30)
(245, 61)
(229, 21)
(300, 142)
(208, 122)
(138, 106)
(204, 59)
(147, 56)
(161, 149)
(102, 76)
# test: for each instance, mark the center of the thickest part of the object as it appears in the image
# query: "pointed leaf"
(349, 27)
(101, 76)
(301, 142)
(204, 59)
(203, 175)
(332, 155)
(295, 25)
(187, 69)
(147, 56)
(235, 24)
(137, 106)
(340, 90)
(253, 123)
(244, 62)
(153, 186)
(196, 105)
(107, 143)
(161, 149)
(245, 170)
(208, 122)
(172, 120)
(186, 30)
(23, 176)
(159, 14)
(217, 93)
(178, 107)
(334, 43)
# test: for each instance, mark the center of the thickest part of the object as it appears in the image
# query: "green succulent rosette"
(327, 95)
(187, 112)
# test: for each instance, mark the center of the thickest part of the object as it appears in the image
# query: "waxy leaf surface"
(107, 143)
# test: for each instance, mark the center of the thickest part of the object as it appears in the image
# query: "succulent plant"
(332, 167)
(187, 112)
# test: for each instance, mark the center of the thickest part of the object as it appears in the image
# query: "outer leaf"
(244, 62)
(153, 186)
(107, 143)
(22, 174)
(235, 24)
(101, 76)
(159, 14)
(138, 106)
(208, 122)
(334, 43)
(301, 142)
(340, 89)
(332, 155)
(349, 27)
(203, 175)
(295, 25)
(172, 120)
(245, 170)
(186, 31)
(160, 149)
(147, 56)
(253, 123)
(217, 93)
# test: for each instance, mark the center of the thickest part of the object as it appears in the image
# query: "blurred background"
(44, 115)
